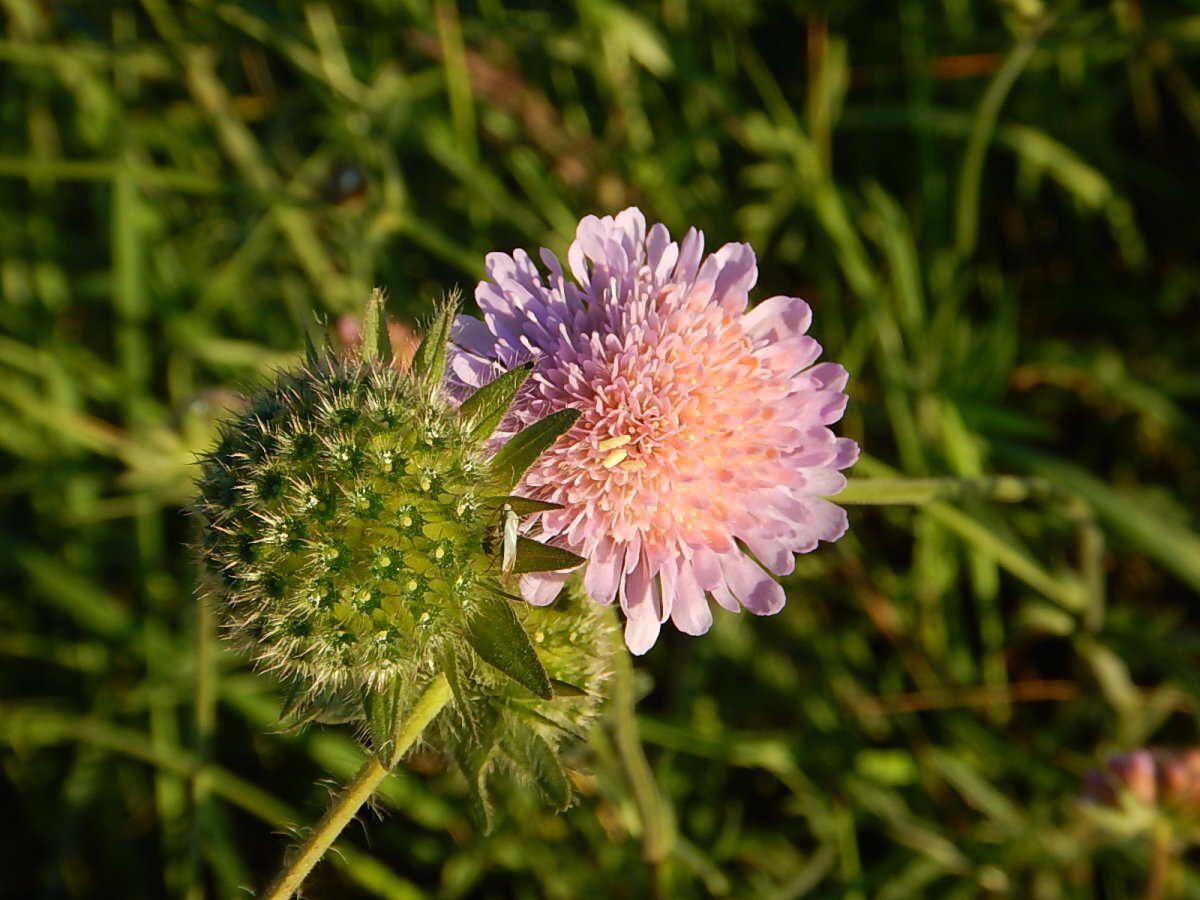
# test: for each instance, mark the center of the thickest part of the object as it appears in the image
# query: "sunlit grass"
(992, 212)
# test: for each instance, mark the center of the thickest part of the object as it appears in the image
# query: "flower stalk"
(356, 793)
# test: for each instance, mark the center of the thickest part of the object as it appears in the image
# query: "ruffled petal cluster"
(701, 460)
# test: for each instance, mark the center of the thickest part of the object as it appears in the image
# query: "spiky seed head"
(342, 526)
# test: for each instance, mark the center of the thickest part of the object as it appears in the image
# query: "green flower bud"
(343, 525)
(357, 541)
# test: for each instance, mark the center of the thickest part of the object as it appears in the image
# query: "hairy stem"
(355, 794)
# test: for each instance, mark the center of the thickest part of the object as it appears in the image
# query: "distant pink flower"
(704, 427)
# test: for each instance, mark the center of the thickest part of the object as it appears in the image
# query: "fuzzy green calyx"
(350, 528)
(522, 737)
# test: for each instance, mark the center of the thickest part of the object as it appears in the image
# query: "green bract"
(351, 528)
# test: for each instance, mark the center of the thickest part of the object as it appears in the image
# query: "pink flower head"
(703, 453)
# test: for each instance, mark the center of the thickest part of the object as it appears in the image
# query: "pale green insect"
(504, 535)
(508, 546)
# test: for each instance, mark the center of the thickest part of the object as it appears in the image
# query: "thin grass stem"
(966, 213)
(658, 827)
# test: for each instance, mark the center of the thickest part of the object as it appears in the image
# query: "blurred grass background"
(992, 208)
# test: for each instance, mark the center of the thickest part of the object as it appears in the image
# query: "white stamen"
(613, 458)
(613, 443)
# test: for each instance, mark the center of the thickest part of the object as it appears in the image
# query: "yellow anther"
(613, 458)
(633, 465)
(613, 443)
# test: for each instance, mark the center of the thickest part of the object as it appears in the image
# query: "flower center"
(669, 399)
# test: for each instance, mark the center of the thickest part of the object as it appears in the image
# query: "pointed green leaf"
(487, 406)
(375, 341)
(522, 506)
(533, 756)
(385, 715)
(474, 757)
(293, 702)
(297, 712)
(498, 638)
(566, 689)
(459, 688)
(526, 711)
(497, 592)
(534, 556)
(338, 707)
(311, 357)
(429, 362)
(301, 709)
(511, 460)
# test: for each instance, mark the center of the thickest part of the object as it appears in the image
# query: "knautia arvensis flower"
(703, 455)
(359, 544)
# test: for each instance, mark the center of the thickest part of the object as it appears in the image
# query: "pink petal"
(601, 579)
(471, 334)
(775, 552)
(471, 370)
(706, 567)
(541, 588)
(637, 600)
(821, 481)
(629, 226)
(690, 612)
(846, 454)
(827, 376)
(738, 271)
(778, 318)
(661, 253)
(550, 261)
(525, 273)
(725, 599)
(585, 246)
(641, 629)
(665, 585)
(759, 592)
(691, 248)
(832, 409)
(790, 355)
(826, 521)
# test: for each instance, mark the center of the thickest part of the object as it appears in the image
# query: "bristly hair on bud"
(429, 362)
(349, 520)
